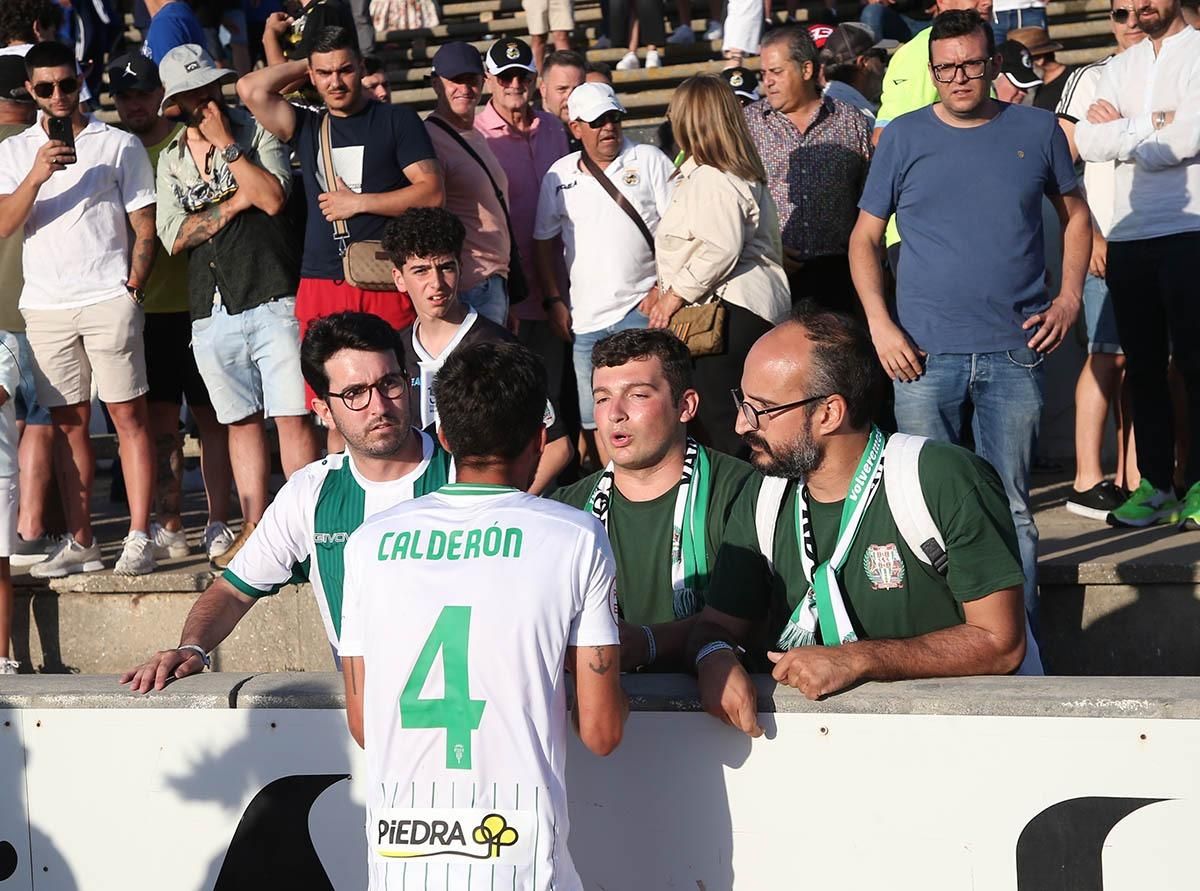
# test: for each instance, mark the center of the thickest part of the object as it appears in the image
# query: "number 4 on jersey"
(456, 710)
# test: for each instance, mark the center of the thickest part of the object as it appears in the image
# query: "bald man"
(809, 390)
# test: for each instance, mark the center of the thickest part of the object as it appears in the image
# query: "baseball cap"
(819, 34)
(188, 67)
(12, 79)
(743, 81)
(850, 40)
(509, 53)
(590, 101)
(132, 72)
(456, 59)
(1017, 65)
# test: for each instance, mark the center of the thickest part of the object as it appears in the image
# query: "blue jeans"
(1010, 20)
(887, 24)
(1101, 318)
(489, 298)
(1005, 389)
(581, 354)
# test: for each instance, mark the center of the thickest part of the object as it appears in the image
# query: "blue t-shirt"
(370, 151)
(174, 25)
(968, 202)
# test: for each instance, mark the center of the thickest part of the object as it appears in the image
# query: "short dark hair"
(372, 64)
(17, 18)
(50, 54)
(332, 38)
(844, 360)
(491, 400)
(564, 59)
(599, 68)
(423, 232)
(646, 343)
(960, 23)
(343, 331)
(800, 46)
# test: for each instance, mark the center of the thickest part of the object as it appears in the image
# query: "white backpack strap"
(766, 513)
(902, 483)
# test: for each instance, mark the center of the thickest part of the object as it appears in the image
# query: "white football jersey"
(462, 605)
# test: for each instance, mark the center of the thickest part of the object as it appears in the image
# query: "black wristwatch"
(550, 301)
(138, 295)
(231, 152)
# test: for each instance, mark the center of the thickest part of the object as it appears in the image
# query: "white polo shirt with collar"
(76, 248)
(610, 264)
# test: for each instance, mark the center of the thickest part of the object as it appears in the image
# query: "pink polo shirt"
(525, 158)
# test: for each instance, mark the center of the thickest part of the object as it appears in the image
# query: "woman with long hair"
(719, 240)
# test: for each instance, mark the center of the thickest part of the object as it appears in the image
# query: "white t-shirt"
(462, 605)
(610, 264)
(303, 534)
(76, 248)
(1099, 177)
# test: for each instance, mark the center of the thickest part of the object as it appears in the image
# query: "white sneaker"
(715, 31)
(682, 35)
(9, 666)
(168, 544)
(35, 550)
(602, 42)
(629, 62)
(217, 539)
(137, 556)
(652, 59)
(69, 558)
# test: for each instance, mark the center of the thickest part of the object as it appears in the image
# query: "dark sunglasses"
(1121, 16)
(609, 117)
(69, 86)
(506, 77)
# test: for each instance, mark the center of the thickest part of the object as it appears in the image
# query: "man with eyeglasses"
(352, 361)
(609, 259)
(815, 581)
(425, 246)
(966, 178)
(83, 293)
(476, 185)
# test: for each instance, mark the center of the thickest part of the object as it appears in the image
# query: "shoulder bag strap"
(466, 147)
(615, 194)
(341, 232)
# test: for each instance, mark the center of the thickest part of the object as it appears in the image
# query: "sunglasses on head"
(69, 86)
(609, 117)
(1121, 16)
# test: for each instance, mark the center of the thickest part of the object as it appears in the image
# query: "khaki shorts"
(9, 499)
(548, 15)
(70, 346)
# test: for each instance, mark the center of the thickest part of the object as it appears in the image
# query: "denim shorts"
(1101, 318)
(489, 298)
(250, 362)
(29, 410)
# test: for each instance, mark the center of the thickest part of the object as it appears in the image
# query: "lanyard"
(689, 553)
(823, 605)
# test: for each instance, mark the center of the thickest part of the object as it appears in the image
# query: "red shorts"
(317, 297)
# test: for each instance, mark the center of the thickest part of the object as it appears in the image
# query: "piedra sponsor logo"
(504, 837)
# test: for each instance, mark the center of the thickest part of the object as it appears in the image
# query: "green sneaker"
(1147, 506)
(1189, 511)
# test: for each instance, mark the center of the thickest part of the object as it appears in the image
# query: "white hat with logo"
(188, 67)
(591, 101)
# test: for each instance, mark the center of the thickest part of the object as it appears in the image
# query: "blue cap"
(456, 59)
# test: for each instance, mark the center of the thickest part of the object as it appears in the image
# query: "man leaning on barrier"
(839, 570)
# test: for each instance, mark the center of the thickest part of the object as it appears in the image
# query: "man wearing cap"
(744, 83)
(816, 150)
(222, 185)
(1052, 73)
(527, 142)
(608, 257)
(1015, 76)
(476, 187)
(82, 294)
(853, 62)
(171, 371)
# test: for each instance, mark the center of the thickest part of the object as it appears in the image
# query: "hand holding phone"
(62, 130)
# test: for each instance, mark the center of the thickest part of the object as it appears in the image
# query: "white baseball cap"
(591, 101)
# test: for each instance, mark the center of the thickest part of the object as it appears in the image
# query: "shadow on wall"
(36, 610)
(28, 858)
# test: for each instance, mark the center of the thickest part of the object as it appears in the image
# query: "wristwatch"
(231, 152)
(138, 295)
(1159, 119)
(550, 301)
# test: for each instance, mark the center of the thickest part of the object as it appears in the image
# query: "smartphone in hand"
(63, 130)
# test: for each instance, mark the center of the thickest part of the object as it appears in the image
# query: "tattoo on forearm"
(200, 226)
(145, 246)
(600, 662)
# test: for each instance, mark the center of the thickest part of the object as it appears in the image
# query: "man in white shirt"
(83, 293)
(1147, 117)
(463, 611)
(609, 257)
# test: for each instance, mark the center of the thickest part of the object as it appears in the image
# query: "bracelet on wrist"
(651, 646)
(198, 650)
(709, 648)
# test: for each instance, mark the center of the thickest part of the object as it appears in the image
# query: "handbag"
(701, 326)
(518, 285)
(365, 264)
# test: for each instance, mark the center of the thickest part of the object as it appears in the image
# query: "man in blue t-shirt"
(966, 179)
(172, 24)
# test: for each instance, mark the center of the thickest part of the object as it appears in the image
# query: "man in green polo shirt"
(839, 572)
(663, 498)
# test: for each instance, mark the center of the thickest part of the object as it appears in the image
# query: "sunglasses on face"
(68, 86)
(1121, 16)
(609, 117)
(507, 77)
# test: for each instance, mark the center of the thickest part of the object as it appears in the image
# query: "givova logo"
(502, 837)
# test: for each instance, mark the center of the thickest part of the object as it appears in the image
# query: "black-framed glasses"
(752, 414)
(390, 386)
(947, 72)
(512, 74)
(1121, 16)
(609, 117)
(69, 86)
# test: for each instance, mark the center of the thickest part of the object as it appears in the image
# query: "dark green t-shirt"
(889, 593)
(640, 532)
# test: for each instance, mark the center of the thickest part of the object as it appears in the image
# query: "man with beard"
(352, 361)
(809, 390)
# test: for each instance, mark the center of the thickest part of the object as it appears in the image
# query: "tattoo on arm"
(145, 246)
(202, 225)
(600, 662)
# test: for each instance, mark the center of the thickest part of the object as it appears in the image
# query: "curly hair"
(423, 232)
(17, 18)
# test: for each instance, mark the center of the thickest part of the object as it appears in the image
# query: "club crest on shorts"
(883, 566)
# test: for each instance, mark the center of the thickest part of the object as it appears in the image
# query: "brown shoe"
(222, 561)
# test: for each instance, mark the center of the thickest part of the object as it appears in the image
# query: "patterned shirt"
(815, 175)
